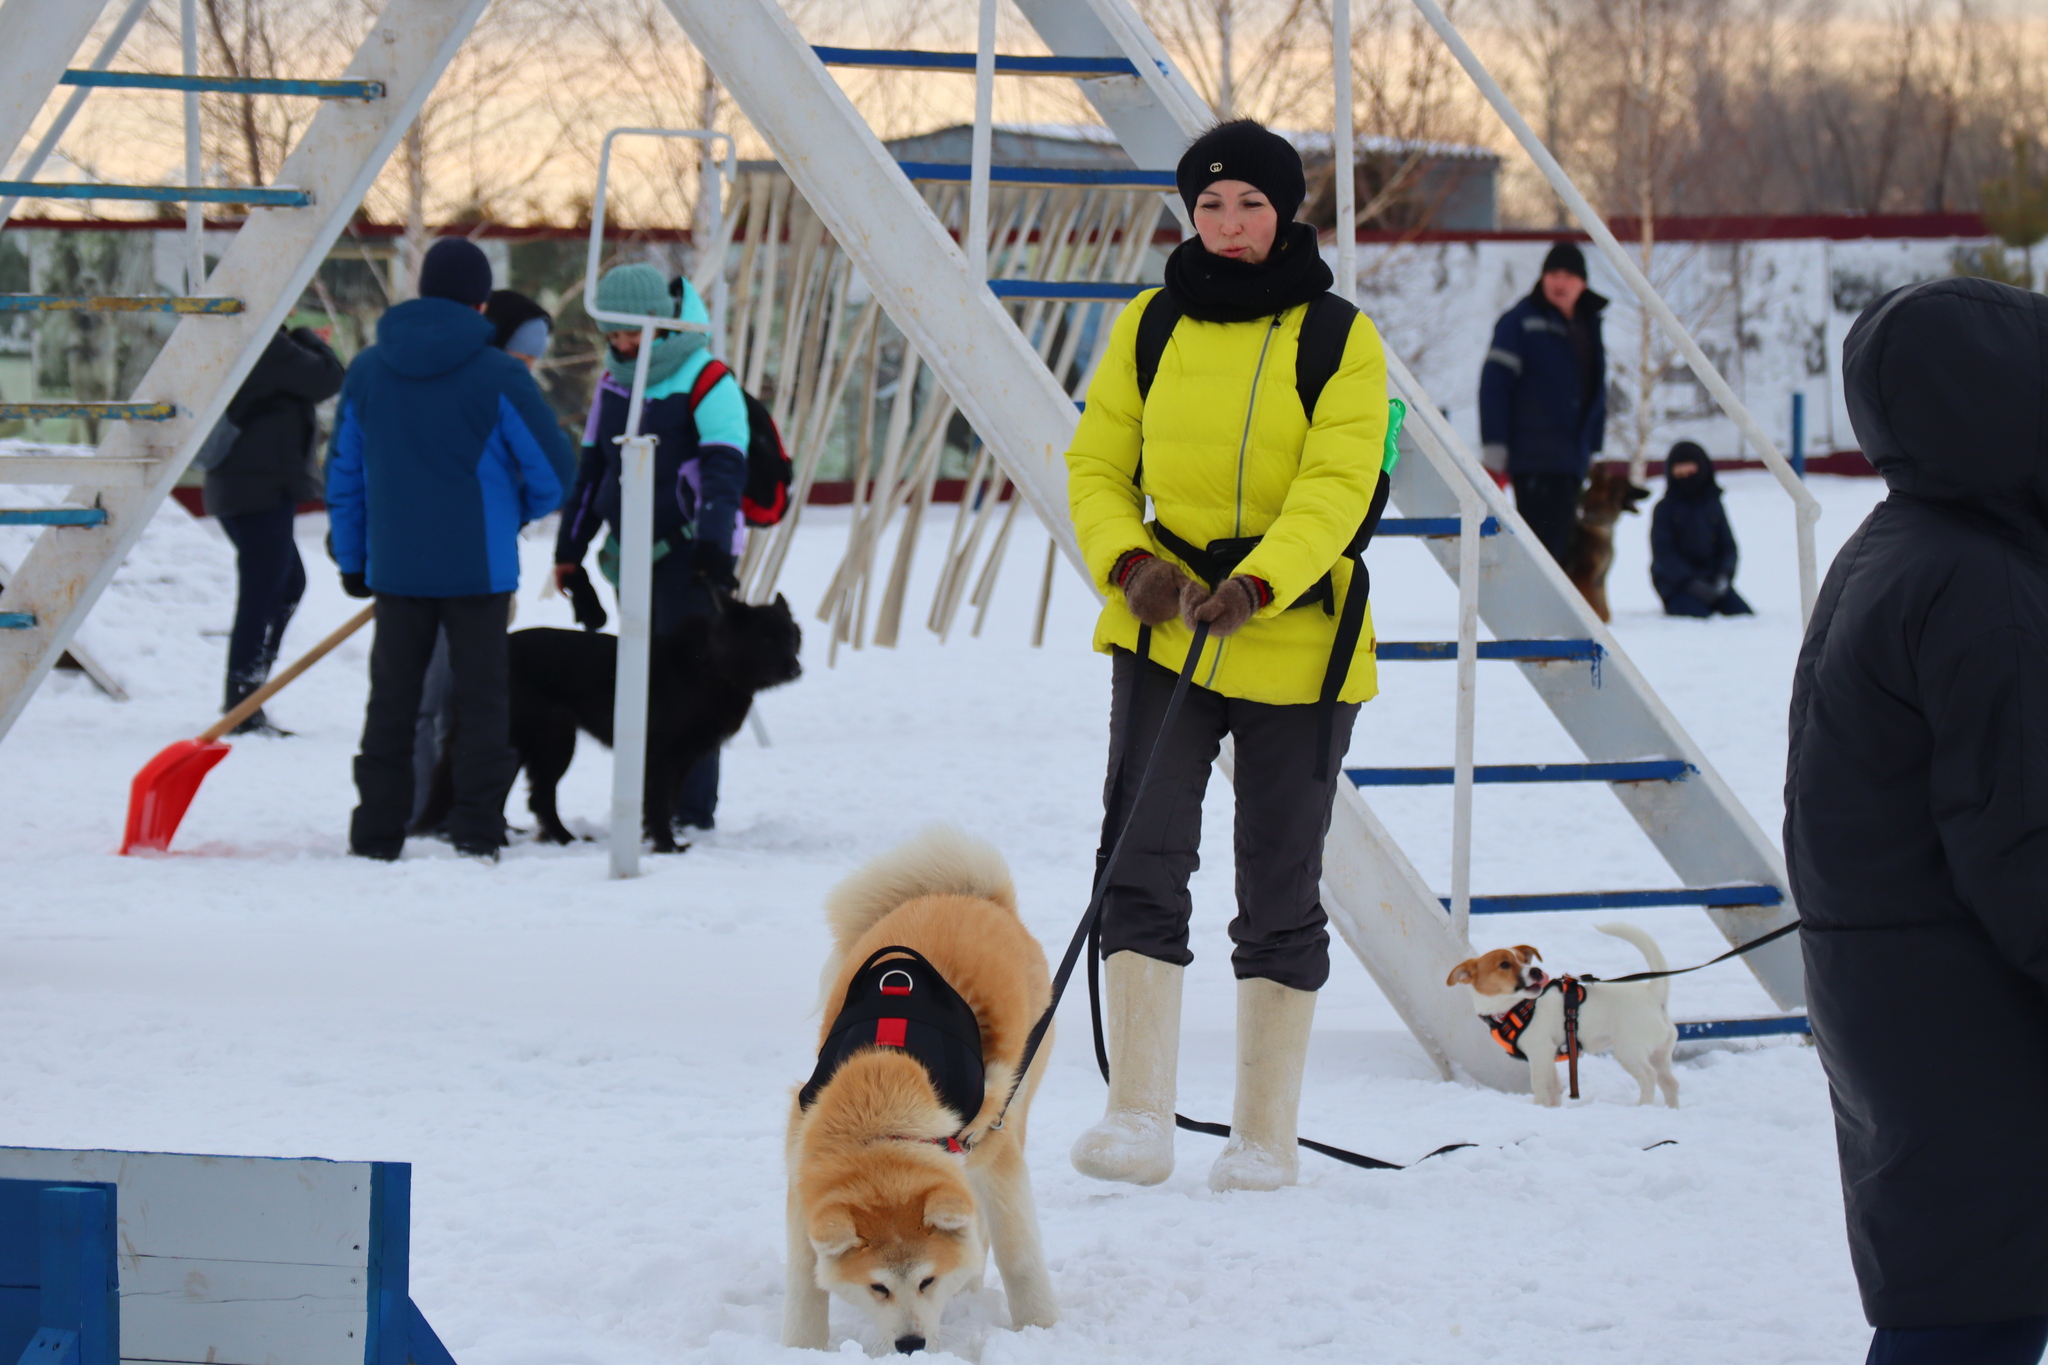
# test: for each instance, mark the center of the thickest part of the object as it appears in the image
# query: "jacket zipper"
(1243, 443)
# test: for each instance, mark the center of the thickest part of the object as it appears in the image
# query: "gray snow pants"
(1283, 814)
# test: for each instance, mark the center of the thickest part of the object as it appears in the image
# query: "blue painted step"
(109, 412)
(1623, 900)
(1743, 1028)
(1646, 770)
(1527, 651)
(53, 516)
(17, 620)
(230, 85)
(1432, 526)
(912, 59)
(1060, 289)
(1118, 178)
(115, 303)
(260, 196)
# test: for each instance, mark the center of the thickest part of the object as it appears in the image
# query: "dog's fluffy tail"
(939, 861)
(1652, 954)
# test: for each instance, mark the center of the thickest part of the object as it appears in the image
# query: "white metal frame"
(636, 503)
(268, 264)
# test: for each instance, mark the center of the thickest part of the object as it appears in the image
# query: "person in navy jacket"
(443, 448)
(1543, 396)
(698, 417)
(1692, 547)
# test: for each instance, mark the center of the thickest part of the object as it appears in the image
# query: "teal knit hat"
(640, 290)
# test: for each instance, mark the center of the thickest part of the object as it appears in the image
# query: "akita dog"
(900, 1180)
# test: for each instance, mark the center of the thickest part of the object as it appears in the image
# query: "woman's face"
(627, 344)
(1237, 221)
(1682, 469)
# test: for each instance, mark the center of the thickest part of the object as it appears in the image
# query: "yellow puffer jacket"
(1227, 452)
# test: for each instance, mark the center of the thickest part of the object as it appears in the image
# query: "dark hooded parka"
(1916, 810)
(1691, 542)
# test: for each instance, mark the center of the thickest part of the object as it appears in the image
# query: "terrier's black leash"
(1748, 947)
(1086, 935)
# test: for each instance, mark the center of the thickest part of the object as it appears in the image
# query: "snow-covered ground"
(590, 1077)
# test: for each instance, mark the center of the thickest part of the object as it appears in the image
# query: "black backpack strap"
(1155, 329)
(1325, 331)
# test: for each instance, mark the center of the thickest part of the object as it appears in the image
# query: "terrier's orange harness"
(1507, 1029)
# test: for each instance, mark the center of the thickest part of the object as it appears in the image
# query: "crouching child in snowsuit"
(1692, 547)
(1256, 500)
(698, 417)
(1916, 832)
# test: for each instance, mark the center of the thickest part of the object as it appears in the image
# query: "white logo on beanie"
(1215, 166)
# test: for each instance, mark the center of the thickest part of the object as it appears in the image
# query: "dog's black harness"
(898, 999)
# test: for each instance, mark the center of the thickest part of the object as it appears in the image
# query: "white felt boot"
(1134, 1141)
(1272, 1045)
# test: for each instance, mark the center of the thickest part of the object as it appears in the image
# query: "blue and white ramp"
(215, 1260)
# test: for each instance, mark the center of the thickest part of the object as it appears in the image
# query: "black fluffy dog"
(700, 687)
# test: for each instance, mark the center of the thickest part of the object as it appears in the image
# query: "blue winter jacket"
(1529, 388)
(443, 448)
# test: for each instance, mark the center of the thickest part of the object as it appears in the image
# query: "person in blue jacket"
(1543, 396)
(1692, 547)
(443, 448)
(700, 471)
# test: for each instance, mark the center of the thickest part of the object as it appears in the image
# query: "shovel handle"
(253, 703)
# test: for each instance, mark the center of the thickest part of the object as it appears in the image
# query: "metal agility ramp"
(972, 332)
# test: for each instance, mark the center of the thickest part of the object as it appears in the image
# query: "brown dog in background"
(1591, 554)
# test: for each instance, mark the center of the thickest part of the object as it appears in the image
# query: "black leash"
(1086, 936)
(1748, 947)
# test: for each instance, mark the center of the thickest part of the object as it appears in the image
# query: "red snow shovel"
(162, 792)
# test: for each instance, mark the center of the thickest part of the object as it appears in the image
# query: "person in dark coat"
(1543, 396)
(254, 492)
(443, 448)
(1916, 831)
(1692, 547)
(523, 328)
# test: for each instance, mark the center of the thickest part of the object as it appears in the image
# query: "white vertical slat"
(984, 140)
(195, 213)
(1344, 152)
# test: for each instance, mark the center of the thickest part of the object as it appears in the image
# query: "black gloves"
(1708, 590)
(354, 586)
(714, 565)
(583, 599)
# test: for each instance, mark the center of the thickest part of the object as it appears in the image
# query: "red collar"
(951, 1144)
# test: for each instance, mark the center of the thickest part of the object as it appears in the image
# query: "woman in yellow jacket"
(1255, 501)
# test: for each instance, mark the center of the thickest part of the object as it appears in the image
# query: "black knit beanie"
(1567, 257)
(456, 268)
(1244, 150)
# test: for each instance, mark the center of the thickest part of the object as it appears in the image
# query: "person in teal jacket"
(700, 471)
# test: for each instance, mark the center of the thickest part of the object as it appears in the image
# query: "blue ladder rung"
(108, 412)
(1646, 770)
(261, 196)
(1527, 651)
(912, 59)
(1118, 178)
(1059, 289)
(115, 303)
(227, 85)
(52, 516)
(17, 620)
(1623, 900)
(1433, 526)
(1743, 1028)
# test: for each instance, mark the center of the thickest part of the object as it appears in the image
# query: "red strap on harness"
(889, 1032)
(707, 377)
